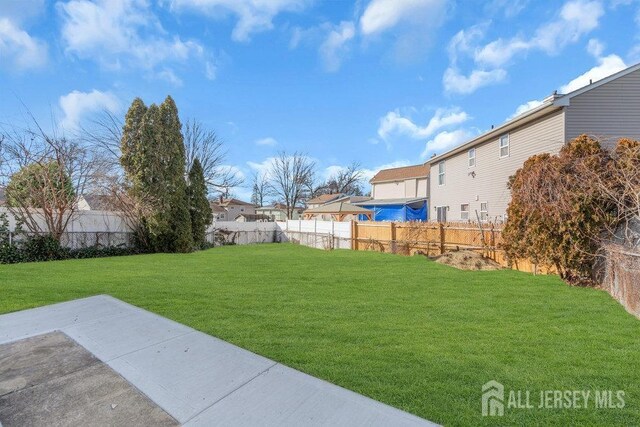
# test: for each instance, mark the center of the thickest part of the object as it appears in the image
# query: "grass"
(417, 335)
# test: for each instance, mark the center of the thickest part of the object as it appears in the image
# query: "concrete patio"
(176, 374)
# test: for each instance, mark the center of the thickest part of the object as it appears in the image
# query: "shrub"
(556, 215)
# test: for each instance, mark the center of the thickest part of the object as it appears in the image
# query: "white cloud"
(16, 45)
(509, 8)
(76, 105)
(394, 123)
(335, 45)
(168, 75)
(595, 48)
(444, 141)
(367, 174)
(381, 15)
(268, 141)
(22, 10)
(575, 19)
(607, 65)
(455, 82)
(211, 70)
(253, 15)
(527, 106)
(113, 31)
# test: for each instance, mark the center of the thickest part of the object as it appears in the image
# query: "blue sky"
(381, 82)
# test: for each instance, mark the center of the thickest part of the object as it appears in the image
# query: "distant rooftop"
(402, 173)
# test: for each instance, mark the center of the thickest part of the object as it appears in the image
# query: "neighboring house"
(338, 211)
(247, 217)
(473, 176)
(232, 207)
(96, 202)
(219, 213)
(278, 212)
(399, 194)
(323, 199)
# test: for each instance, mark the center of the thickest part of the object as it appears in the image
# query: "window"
(441, 173)
(464, 212)
(472, 157)
(484, 212)
(441, 213)
(504, 146)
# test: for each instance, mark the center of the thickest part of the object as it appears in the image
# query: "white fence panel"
(82, 222)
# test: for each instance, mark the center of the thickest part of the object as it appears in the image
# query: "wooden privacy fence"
(431, 239)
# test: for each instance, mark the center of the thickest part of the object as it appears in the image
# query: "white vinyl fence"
(109, 229)
(85, 229)
(313, 233)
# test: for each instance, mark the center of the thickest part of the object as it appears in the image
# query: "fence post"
(392, 227)
(354, 235)
(442, 240)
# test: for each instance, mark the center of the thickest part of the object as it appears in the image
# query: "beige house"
(229, 209)
(323, 199)
(473, 176)
(278, 212)
(399, 194)
(246, 217)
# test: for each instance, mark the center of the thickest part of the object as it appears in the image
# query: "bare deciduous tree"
(209, 149)
(291, 176)
(346, 181)
(260, 189)
(50, 172)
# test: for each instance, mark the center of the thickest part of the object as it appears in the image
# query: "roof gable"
(402, 173)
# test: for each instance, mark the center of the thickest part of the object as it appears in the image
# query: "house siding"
(404, 189)
(609, 112)
(545, 135)
(388, 190)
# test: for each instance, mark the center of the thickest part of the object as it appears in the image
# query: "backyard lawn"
(403, 330)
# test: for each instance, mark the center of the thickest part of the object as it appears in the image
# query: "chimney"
(221, 199)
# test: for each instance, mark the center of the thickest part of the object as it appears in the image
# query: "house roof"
(549, 105)
(278, 206)
(252, 216)
(100, 202)
(215, 207)
(400, 174)
(381, 202)
(325, 198)
(338, 208)
(233, 201)
(356, 199)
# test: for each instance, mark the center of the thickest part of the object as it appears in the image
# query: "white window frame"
(441, 213)
(484, 213)
(464, 214)
(471, 158)
(441, 173)
(502, 146)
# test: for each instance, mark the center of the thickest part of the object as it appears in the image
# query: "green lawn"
(403, 330)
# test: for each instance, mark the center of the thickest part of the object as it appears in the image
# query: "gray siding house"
(473, 176)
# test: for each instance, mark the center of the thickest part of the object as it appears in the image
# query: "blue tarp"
(397, 213)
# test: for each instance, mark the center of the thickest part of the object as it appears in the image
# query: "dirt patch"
(467, 260)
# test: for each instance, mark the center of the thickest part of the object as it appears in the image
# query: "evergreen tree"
(171, 153)
(153, 158)
(201, 215)
(132, 141)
